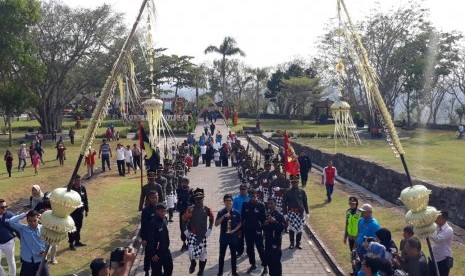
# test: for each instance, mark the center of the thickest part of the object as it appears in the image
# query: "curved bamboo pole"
(100, 110)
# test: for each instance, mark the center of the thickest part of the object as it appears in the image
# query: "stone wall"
(387, 183)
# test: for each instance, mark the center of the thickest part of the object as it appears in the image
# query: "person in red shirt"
(90, 162)
(189, 162)
(327, 178)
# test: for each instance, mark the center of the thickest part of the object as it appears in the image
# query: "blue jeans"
(105, 159)
(329, 191)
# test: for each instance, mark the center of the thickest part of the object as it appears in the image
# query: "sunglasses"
(3, 207)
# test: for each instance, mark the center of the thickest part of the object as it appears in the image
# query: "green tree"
(431, 56)
(199, 81)
(240, 78)
(226, 49)
(299, 92)
(18, 65)
(293, 69)
(383, 33)
(77, 48)
(259, 76)
(179, 72)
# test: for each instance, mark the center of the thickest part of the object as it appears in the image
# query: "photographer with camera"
(125, 258)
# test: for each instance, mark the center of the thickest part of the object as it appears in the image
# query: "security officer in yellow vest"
(353, 214)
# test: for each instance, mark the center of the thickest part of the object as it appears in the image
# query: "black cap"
(159, 206)
(151, 174)
(294, 177)
(199, 193)
(96, 265)
(160, 167)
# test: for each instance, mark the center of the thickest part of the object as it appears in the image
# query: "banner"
(152, 157)
(291, 163)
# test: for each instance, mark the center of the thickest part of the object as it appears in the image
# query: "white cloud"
(269, 31)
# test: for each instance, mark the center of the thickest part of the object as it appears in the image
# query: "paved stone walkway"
(218, 181)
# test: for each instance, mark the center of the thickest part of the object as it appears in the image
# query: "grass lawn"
(328, 220)
(431, 154)
(113, 201)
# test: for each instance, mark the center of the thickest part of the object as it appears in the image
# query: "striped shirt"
(105, 149)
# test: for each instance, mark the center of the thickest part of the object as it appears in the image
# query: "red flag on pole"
(291, 164)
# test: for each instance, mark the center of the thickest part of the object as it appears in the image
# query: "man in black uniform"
(273, 228)
(264, 174)
(78, 214)
(230, 221)
(253, 217)
(263, 183)
(162, 181)
(170, 189)
(148, 187)
(305, 167)
(185, 199)
(268, 153)
(158, 243)
(294, 205)
(148, 213)
(277, 188)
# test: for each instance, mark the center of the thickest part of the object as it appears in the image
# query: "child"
(61, 154)
(35, 162)
(90, 162)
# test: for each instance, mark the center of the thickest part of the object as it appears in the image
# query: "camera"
(368, 239)
(117, 255)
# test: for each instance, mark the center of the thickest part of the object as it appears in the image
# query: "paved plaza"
(218, 181)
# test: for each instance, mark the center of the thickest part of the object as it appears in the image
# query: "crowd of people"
(35, 153)
(268, 205)
(374, 252)
(32, 246)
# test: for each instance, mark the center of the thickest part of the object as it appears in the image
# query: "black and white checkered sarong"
(279, 203)
(296, 221)
(195, 249)
(266, 194)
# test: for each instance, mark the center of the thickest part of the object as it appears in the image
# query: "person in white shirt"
(216, 157)
(120, 152)
(442, 247)
(173, 152)
(203, 151)
(128, 158)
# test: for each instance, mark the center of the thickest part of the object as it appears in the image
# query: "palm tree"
(227, 48)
